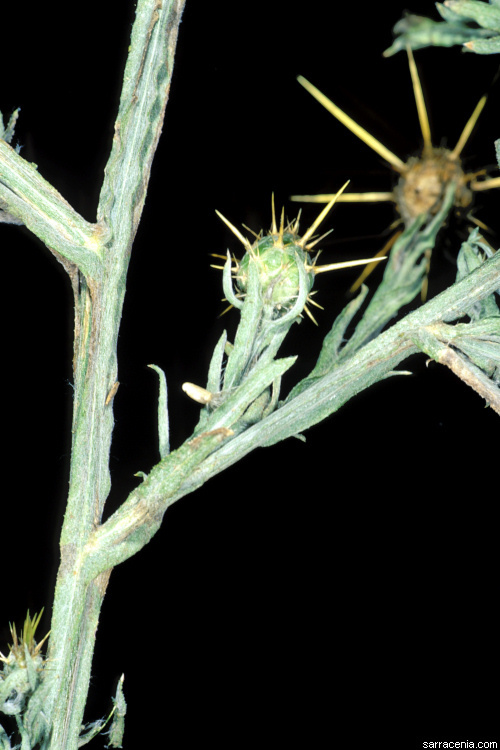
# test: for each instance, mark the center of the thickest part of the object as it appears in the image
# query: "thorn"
(312, 302)
(235, 231)
(370, 197)
(420, 102)
(238, 296)
(493, 182)
(321, 217)
(295, 227)
(346, 264)
(234, 269)
(471, 176)
(480, 223)
(312, 244)
(309, 313)
(274, 229)
(469, 127)
(315, 260)
(282, 226)
(257, 236)
(367, 271)
(361, 133)
(226, 310)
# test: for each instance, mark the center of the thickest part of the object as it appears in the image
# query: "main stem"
(78, 601)
(99, 298)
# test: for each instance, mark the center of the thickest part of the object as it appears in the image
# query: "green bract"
(277, 258)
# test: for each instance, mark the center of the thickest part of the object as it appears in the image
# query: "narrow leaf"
(163, 423)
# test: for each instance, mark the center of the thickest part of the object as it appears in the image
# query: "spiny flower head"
(284, 266)
(423, 180)
(25, 646)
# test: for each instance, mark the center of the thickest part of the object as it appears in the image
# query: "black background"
(342, 591)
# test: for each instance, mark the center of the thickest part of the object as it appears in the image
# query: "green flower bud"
(285, 269)
(277, 258)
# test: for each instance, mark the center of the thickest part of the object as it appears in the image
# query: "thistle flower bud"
(277, 258)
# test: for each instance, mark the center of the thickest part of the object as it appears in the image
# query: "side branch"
(25, 195)
(444, 349)
(371, 363)
(183, 471)
(472, 376)
(139, 518)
